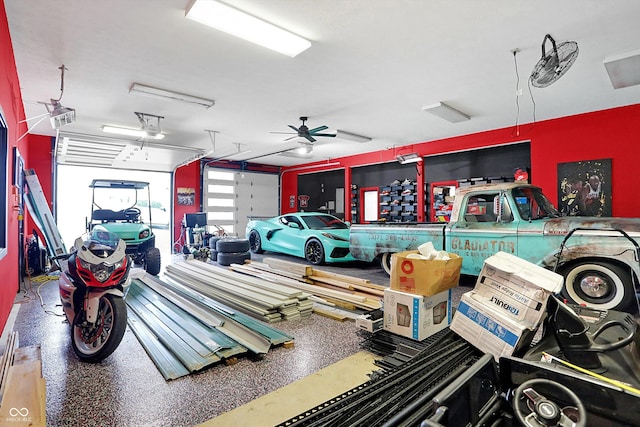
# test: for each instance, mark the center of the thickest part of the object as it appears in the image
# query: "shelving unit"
(398, 202)
(355, 204)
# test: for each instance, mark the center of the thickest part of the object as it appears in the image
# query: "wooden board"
(24, 399)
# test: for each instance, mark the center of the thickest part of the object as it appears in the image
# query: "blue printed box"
(488, 329)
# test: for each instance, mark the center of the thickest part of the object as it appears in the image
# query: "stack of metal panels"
(268, 301)
(184, 333)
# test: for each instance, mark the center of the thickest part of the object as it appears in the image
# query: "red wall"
(612, 134)
(11, 105)
(187, 176)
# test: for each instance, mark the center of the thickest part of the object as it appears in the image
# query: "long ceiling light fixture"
(240, 24)
(138, 133)
(168, 95)
(446, 112)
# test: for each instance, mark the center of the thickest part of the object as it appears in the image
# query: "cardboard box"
(516, 288)
(424, 277)
(416, 316)
(487, 329)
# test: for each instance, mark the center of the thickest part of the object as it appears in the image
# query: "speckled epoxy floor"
(126, 389)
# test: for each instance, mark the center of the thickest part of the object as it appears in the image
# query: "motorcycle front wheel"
(95, 342)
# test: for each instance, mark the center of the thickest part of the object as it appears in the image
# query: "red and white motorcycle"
(93, 283)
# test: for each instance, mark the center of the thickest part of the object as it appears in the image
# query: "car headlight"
(143, 234)
(334, 237)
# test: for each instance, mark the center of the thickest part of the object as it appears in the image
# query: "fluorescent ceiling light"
(443, 111)
(154, 92)
(408, 158)
(138, 133)
(351, 136)
(240, 24)
(624, 69)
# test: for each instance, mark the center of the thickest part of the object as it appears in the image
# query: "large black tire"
(598, 284)
(228, 258)
(314, 252)
(255, 242)
(96, 343)
(213, 255)
(213, 240)
(152, 261)
(232, 245)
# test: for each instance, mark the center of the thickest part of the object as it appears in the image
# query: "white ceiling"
(372, 65)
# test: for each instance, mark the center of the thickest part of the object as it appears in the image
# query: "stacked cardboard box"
(418, 301)
(426, 277)
(503, 311)
(416, 316)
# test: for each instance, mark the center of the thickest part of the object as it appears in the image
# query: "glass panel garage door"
(232, 197)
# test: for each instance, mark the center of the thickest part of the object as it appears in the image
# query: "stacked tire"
(231, 251)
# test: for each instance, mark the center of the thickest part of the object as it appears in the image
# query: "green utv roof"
(114, 183)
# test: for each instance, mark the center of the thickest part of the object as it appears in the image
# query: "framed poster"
(584, 188)
(186, 196)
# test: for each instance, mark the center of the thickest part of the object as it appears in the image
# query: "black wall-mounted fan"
(553, 63)
(304, 132)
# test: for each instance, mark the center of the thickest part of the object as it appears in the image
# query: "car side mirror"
(294, 225)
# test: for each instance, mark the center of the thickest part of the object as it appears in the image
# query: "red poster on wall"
(303, 199)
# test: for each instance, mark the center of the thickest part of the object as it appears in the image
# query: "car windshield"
(533, 204)
(323, 222)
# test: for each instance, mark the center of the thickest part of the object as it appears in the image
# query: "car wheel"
(255, 242)
(232, 245)
(228, 258)
(314, 252)
(152, 261)
(600, 285)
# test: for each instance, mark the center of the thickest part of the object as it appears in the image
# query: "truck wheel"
(385, 262)
(600, 285)
(314, 252)
(152, 261)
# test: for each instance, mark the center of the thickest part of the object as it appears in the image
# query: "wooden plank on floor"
(24, 401)
(295, 398)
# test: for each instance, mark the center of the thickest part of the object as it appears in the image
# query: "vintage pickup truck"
(599, 257)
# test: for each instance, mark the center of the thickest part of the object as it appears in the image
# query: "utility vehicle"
(116, 206)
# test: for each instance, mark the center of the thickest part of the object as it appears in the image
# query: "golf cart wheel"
(152, 261)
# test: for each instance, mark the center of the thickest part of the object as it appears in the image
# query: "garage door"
(232, 197)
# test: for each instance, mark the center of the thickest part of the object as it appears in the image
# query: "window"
(480, 208)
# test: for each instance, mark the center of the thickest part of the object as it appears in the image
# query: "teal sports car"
(317, 237)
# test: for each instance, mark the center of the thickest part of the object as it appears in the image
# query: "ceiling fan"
(304, 132)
